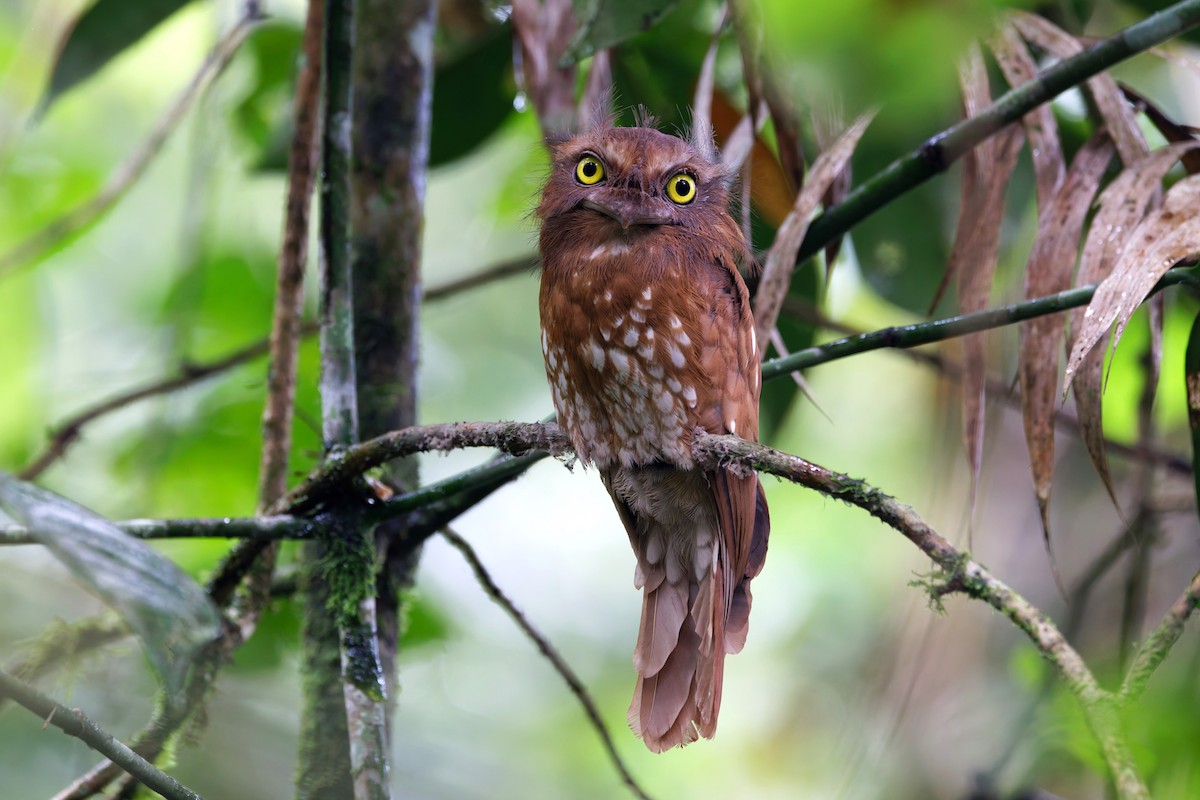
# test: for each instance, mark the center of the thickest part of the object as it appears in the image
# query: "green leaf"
(165, 608)
(658, 70)
(604, 23)
(424, 623)
(476, 86)
(264, 114)
(1191, 365)
(99, 35)
(898, 256)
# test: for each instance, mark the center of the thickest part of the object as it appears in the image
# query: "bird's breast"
(619, 360)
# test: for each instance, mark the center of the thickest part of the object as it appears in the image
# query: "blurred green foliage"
(848, 687)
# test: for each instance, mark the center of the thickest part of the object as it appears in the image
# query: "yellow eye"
(589, 171)
(681, 188)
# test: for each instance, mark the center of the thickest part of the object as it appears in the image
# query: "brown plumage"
(647, 335)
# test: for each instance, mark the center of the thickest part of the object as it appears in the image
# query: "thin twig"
(526, 265)
(293, 256)
(68, 431)
(546, 649)
(1159, 643)
(39, 244)
(63, 642)
(75, 723)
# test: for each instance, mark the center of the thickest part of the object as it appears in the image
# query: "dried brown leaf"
(976, 96)
(1109, 254)
(544, 30)
(741, 141)
(1164, 238)
(826, 123)
(986, 172)
(1123, 204)
(703, 97)
(1019, 67)
(781, 259)
(1118, 116)
(1171, 130)
(1051, 262)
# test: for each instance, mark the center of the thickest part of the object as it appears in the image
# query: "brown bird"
(647, 335)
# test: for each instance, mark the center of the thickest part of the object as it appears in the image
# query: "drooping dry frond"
(781, 259)
(1051, 263)
(1114, 109)
(1018, 67)
(1129, 251)
(986, 172)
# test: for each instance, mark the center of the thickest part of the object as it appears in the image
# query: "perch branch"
(546, 649)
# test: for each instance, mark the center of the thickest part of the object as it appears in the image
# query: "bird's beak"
(627, 212)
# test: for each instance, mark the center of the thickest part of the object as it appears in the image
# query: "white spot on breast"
(664, 401)
(754, 342)
(605, 333)
(552, 359)
(637, 315)
(676, 356)
(608, 295)
(689, 395)
(631, 337)
(545, 344)
(599, 252)
(594, 351)
(674, 322)
(683, 339)
(649, 334)
(732, 424)
(620, 361)
(646, 351)
(646, 294)
(674, 383)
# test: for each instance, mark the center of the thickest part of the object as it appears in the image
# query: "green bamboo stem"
(904, 336)
(939, 152)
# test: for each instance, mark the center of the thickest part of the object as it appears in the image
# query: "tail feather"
(699, 539)
(668, 696)
(663, 612)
